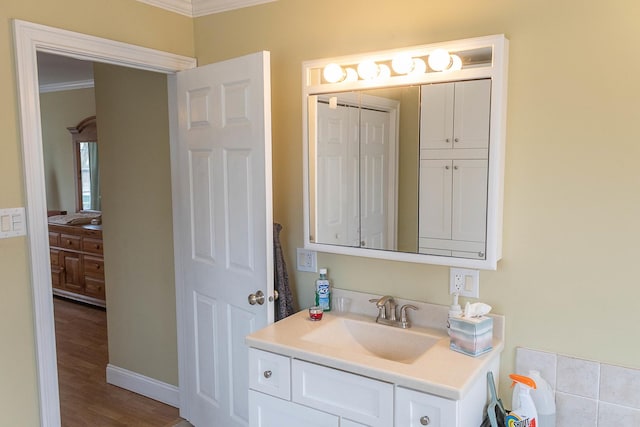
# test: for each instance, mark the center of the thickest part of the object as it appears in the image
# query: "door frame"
(30, 38)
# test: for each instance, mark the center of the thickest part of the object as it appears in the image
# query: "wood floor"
(85, 397)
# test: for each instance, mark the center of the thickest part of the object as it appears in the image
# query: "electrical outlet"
(465, 282)
(307, 260)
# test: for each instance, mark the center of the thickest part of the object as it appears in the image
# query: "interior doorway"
(29, 39)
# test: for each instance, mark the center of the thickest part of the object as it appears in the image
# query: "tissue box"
(472, 336)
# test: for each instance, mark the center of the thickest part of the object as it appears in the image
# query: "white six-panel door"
(224, 244)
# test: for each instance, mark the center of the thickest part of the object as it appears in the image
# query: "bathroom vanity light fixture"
(402, 63)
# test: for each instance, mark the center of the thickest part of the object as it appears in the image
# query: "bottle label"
(322, 290)
(514, 420)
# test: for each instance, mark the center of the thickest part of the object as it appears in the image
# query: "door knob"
(258, 298)
(425, 421)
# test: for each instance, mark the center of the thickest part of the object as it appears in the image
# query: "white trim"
(59, 87)
(207, 7)
(148, 387)
(197, 8)
(183, 7)
(30, 38)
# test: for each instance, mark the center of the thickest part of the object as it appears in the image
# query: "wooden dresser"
(77, 263)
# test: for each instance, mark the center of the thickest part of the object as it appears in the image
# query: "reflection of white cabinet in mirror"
(454, 142)
(447, 165)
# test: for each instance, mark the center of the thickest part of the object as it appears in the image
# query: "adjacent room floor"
(85, 397)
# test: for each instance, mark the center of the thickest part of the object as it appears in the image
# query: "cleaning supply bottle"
(542, 397)
(525, 415)
(323, 291)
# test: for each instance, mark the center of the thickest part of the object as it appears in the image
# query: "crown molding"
(58, 87)
(208, 7)
(183, 7)
(196, 8)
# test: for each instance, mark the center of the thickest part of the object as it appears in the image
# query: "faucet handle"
(381, 312)
(403, 313)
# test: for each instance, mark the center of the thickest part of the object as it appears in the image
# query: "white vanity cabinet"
(452, 205)
(455, 115)
(454, 142)
(289, 392)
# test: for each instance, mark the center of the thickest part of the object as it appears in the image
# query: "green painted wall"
(137, 222)
(571, 184)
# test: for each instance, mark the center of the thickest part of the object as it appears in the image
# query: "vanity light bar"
(403, 63)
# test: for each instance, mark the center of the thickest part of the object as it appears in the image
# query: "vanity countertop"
(439, 371)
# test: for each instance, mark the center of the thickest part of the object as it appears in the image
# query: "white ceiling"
(63, 73)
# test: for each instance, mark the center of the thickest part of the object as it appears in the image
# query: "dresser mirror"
(404, 153)
(84, 137)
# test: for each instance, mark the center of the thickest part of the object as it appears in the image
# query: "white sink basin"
(372, 339)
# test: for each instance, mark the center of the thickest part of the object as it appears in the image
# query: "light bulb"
(402, 63)
(333, 73)
(419, 66)
(368, 69)
(352, 75)
(439, 60)
(385, 71)
(456, 63)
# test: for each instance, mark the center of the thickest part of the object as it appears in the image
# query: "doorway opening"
(29, 39)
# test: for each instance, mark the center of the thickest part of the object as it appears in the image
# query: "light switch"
(12, 223)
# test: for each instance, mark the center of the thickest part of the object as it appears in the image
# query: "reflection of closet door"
(374, 179)
(436, 116)
(455, 115)
(337, 172)
(469, 221)
(471, 114)
(436, 188)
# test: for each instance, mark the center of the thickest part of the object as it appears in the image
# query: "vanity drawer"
(361, 399)
(54, 238)
(270, 373)
(68, 241)
(92, 245)
(93, 266)
(414, 409)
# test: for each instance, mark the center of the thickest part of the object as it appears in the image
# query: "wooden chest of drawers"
(77, 263)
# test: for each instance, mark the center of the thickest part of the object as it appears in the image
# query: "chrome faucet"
(387, 312)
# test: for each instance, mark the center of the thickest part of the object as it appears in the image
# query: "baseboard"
(148, 387)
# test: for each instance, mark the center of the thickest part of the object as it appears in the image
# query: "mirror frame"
(496, 70)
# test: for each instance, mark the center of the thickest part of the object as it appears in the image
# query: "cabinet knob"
(455, 167)
(447, 140)
(267, 374)
(456, 140)
(425, 421)
(446, 167)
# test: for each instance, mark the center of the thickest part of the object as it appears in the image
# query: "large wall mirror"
(404, 153)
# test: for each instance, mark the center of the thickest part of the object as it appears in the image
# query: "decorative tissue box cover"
(472, 336)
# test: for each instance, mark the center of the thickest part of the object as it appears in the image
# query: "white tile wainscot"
(588, 393)
(294, 379)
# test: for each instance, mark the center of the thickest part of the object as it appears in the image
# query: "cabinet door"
(436, 116)
(416, 409)
(469, 222)
(71, 264)
(268, 411)
(471, 114)
(435, 199)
